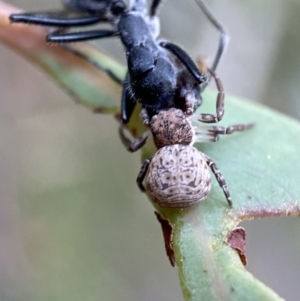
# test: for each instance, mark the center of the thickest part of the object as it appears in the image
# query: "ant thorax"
(178, 175)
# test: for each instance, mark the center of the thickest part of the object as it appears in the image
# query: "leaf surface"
(261, 168)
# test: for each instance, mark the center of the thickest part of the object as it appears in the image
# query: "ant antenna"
(223, 40)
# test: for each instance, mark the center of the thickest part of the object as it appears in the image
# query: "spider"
(177, 176)
(161, 75)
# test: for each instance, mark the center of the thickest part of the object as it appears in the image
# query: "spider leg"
(214, 118)
(132, 146)
(53, 19)
(221, 130)
(205, 137)
(80, 36)
(223, 40)
(214, 168)
(142, 174)
(211, 134)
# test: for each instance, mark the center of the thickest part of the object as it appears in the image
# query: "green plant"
(257, 168)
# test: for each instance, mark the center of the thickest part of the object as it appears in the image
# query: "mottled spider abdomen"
(178, 177)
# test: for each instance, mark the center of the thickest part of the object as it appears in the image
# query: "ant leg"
(214, 168)
(55, 19)
(127, 102)
(90, 60)
(141, 176)
(132, 146)
(79, 36)
(223, 40)
(210, 118)
(185, 60)
(94, 63)
(153, 7)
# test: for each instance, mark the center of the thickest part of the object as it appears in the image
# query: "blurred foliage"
(200, 232)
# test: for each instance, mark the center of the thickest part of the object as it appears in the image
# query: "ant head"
(171, 127)
(118, 7)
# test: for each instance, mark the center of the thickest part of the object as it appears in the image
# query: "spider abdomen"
(178, 177)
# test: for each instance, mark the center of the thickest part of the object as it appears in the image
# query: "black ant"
(160, 75)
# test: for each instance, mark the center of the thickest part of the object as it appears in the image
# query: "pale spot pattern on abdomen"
(178, 177)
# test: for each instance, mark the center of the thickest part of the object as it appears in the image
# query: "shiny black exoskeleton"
(160, 74)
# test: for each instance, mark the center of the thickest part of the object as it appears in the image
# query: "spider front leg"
(214, 118)
(132, 146)
(222, 130)
(214, 168)
(211, 134)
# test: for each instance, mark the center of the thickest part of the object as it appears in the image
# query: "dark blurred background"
(64, 175)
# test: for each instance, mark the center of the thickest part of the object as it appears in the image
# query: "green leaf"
(261, 168)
